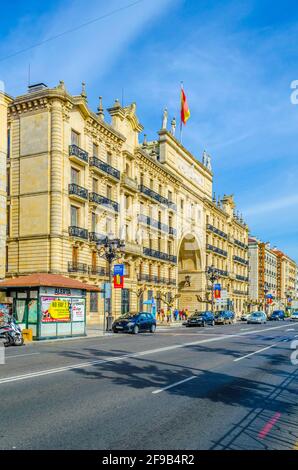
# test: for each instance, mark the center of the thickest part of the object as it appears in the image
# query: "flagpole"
(181, 88)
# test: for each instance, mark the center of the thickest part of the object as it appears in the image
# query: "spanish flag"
(185, 112)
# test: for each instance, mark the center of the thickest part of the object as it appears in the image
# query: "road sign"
(119, 269)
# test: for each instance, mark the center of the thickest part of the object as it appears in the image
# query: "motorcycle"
(11, 333)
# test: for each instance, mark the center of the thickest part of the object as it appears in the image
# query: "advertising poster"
(78, 309)
(54, 309)
(32, 311)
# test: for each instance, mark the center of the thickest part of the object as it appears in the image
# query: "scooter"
(11, 333)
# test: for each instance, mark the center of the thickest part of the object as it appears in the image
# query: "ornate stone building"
(74, 178)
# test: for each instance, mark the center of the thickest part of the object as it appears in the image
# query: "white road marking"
(22, 355)
(174, 385)
(131, 355)
(290, 329)
(253, 353)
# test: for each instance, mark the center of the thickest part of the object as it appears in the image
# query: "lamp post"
(110, 249)
(212, 275)
(266, 290)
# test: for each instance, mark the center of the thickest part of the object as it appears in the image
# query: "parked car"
(222, 317)
(277, 315)
(257, 317)
(201, 319)
(244, 316)
(294, 316)
(135, 323)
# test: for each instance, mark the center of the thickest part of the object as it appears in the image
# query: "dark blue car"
(201, 319)
(277, 315)
(222, 317)
(134, 323)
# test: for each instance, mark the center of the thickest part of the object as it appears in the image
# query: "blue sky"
(237, 61)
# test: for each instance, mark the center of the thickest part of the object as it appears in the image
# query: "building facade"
(73, 179)
(263, 274)
(271, 272)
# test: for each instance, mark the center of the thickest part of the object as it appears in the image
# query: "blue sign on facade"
(119, 269)
(217, 287)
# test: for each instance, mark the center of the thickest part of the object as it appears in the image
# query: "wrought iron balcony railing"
(213, 229)
(76, 190)
(154, 223)
(240, 260)
(74, 267)
(97, 271)
(105, 167)
(97, 237)
(172, 231)
(241, 278)
(157, 197)
(78, 232)
(216, 250)
(159, 255)
(240, 244)
(76, 151)
(104, 201)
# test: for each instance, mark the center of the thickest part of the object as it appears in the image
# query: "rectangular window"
(94, 185)
(93, 222)
(170, 196)
(125, 301)
(109, 192)
(94, 259)
(75, 255)
(95, 150)
(8, 182)
(75, 138)
(109, 158)
(93, 301)
(108, 226)
(8, 144)
(74, 215)
(8, 221)
(75, 176)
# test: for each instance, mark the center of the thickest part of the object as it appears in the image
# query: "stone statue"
(207, 161)
(165, 119)
(173, 126)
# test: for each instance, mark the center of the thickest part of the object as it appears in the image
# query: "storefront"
(52, 306)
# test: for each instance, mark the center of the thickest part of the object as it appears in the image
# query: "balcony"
(77, 267)
(153, 223)
(240, 292)
(78, 155)
(218, 232)
(78, 192)
(104, 168)
(157, 197)
(132, 248)
(240, 244)
(240, 260)
(97, 271)
(159, 255)
(222, 272)
(78, 232)
(129, 183)
(214, 249)
(241, 278)
(96, 237)
(104, 201)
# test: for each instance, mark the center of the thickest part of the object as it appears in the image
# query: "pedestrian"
(176, 313)
(158, 314)
(162, 315)
(169, 315)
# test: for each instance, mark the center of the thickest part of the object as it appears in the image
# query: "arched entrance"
(191, 278)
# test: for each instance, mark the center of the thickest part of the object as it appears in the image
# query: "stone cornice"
(42, 100)
(171, 140)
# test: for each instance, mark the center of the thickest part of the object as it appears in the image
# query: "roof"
(47, 280)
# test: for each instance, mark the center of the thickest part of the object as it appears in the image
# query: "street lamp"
(110, 249)
(212, 274)
(266, 290)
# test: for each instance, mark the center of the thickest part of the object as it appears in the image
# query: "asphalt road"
(222, 387)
